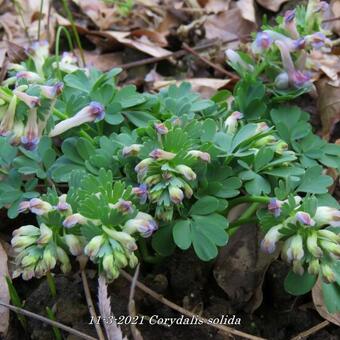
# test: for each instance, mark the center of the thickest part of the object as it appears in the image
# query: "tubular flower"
(304, 218)
(31, 138)
(126, 240)
(39, 207)
(18, 131)
(232, 121)
(31, 77)
(141, 192)
(327, 273)
(74, 219)
(160, 154)
(142, 223)
(40, 54)
(51, 92)
(124, 207)
(290, 24)
(161, 128)
(268, 244)
(45, 234)
(327, 216)
(74, 244)
(176, 194)
(186, 171)
(235, 59)
(274, 206)
(131, 150)
(328, 235)
(62, 205)
(295, 250)
(92, 248)
(314, 267)
(94, 112)
(312, 245)
(8, 119)
(30, 101)
(204, 156)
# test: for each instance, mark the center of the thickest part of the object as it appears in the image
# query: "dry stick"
(311, 331)
(208, 62)
(179, 53)
(183, 311)
(91, 306)
(47, 321)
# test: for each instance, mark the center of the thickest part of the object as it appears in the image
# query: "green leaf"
(162, 241)
(203, 246)
(299, 285)
(205, 206)
(139, 118)
(182, 234)
(314, 182)
(78, 80)
(262, 158)
(331, 296)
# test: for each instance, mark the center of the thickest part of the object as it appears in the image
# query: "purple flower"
(125, 207)
(142, 223)
(300, 43)
(268, 244)
(39, 207)
(73, 220)
(176, 194)
(317, 40)
(289, 16)
(131, 150)
(274, 207)
(31, 139)
(30, 101)
(141, 192)
(327, 215)
(161, 128)
(94, 112)
(304, 218)
(62, 205)
(262, 42)
(52, 92)
(31, 77)
(300, 79)
(23, 206)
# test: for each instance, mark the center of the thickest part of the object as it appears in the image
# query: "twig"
(311, 331)
(47, 321)
(183, 311)
(331, 19)
(90, 305)
(208, 62)
(132, 307)
(179, 53)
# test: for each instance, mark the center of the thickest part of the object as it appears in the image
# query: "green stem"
(145, 253)
(51, 284)
(248, 199)
(40, 16)
(56, 331)
(57, 45)
(74, 29)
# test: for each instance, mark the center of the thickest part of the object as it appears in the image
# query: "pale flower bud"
(312, 245)
(39, 207)
(298, 267)
(142, 167)
(327, 216)
(62, 205)
(314, 267)
(268, 244)
(125, 207)
(27, 230)
(45, 234)
(131, 150)
(49, 258)
(74, 219)
(141, 192)
(64, 260)
(328, 235)
(30, 101)
(160, 154)
(296, 248)
(330, 247)
(176, 194)
(8, 118)
(92, 248)
(327, 273)
(203, 156)
(122, 237)
(186, 171)
(31, 77)
(232, 121)
(304, 218)
(161, 128)
(74, 244)
(51, 92)
(235, 59)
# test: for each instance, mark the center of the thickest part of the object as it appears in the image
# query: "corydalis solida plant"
(170, 166)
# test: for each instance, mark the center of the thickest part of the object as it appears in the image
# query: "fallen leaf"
(320, 305)
(272, 5)
(227, 25)
(143, 43)
(205, 86)
(328, 105)
(102, 62)
(240, 268)
(4, 293)
(247, 10)
(217, 6)
(335, 8)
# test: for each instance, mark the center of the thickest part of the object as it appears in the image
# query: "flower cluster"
(166, 177)
(285, 51)
(308, 243)
(112, 246)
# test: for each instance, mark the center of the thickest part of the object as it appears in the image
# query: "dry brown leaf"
(328, 105)
(227, 25)
(205, 86)
(102, 62)
(217, 6)
(240, 268)
(272, 5)
(247, 8)
(4, 293)
(102, 14)
(143, 44)
(335, 7)
(320, 305)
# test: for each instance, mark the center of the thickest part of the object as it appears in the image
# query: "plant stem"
(56, 331)
(145, 253)
(248, 199)
(40, 16)
(51, 284)
(74, 29)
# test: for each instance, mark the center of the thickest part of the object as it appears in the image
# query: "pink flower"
(30, 101)
(262, 42)
(304, 218)
(161, 128)
(160, 154)
(52, 92)
(30, 139)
